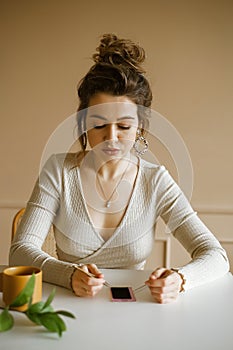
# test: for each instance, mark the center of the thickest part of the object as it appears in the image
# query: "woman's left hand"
(164, 285)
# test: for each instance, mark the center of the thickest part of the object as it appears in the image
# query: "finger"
(89, 280)
(166, 277)
(81, 289)
(94, 270)
(165, 298)
(169, 279)
(89, 291)
(81, 282)
(172, 288)
(163, 287)
(159, 272)
(160, 282)
(93, 290)
(165, 293)
(92, 281)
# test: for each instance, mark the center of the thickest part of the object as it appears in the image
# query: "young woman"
(104, 201)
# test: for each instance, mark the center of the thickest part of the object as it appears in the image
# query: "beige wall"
(45, 50)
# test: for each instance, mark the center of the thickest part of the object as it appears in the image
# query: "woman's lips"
(111, 151)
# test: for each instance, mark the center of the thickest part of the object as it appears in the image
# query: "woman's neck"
(110, 169)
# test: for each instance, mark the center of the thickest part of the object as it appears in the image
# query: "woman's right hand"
(84, 285)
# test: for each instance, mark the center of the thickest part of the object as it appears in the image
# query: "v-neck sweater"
(57, 199)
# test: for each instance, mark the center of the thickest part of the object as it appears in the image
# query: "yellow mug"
(14, 279)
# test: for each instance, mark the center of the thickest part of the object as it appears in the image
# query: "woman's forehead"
(113, 110)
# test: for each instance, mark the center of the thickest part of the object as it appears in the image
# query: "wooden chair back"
(49, 245)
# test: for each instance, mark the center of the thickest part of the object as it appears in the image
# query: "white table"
(201, 319)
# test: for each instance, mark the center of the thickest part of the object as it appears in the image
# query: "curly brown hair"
(117, 71)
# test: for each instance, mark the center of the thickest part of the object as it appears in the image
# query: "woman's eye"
(124, 127)
(99, 126)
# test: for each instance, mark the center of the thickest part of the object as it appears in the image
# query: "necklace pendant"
(108, 203)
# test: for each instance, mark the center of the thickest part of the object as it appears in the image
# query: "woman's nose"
(111, 132)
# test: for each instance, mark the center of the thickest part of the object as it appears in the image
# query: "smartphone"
(122, 294)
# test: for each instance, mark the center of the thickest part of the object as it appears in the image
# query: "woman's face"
(112, 123)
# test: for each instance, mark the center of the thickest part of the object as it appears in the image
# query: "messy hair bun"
(115, 51)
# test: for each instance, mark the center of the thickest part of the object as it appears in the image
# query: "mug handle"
(1, 281)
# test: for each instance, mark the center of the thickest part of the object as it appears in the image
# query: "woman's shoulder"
(65, 160)
(148, 166)
(154, 172)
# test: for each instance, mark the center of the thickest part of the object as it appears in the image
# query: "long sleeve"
(35, 225)
(208, 259)
(57, 199)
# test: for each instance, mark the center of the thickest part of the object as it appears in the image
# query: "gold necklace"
(108, 200)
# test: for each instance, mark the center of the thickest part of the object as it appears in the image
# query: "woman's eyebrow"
(97, 116)
(126, 117)
(118, 119)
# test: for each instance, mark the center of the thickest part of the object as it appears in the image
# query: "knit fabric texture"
(58, 199)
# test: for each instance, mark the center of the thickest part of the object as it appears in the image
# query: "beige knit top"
(58, 199)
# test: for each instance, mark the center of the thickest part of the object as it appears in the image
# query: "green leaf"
(39, 308)
(35, 308)
(25, 295)
(50, 298)
(30, 301)
(52, 322)
(41, 313)
(46, 309)
(34, 317)
(65, 313)
(6, 320)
